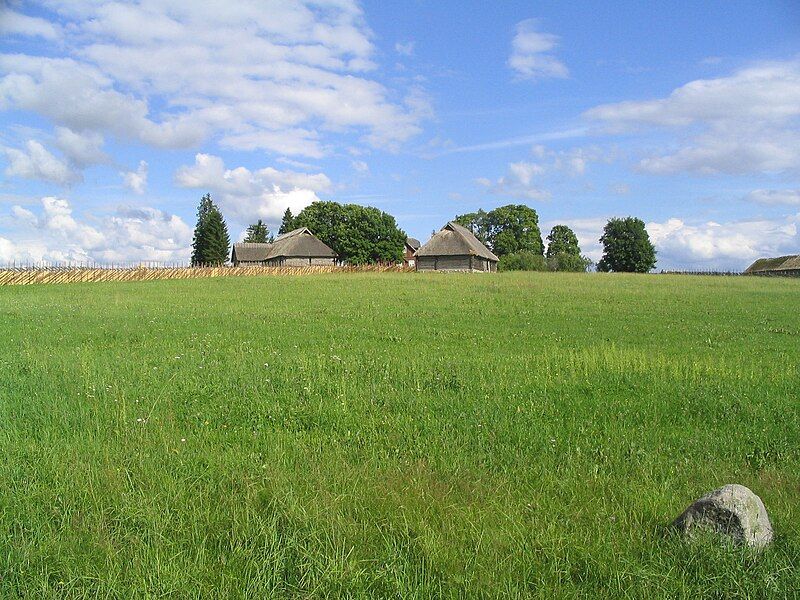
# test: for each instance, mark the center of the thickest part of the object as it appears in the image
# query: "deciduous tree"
(477, 223)
(514, 228)
(358, 234)
(562, 240)
(626, 247)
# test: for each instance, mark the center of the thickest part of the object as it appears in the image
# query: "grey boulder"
(733, 511)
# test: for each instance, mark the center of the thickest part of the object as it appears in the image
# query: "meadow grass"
(394, 435)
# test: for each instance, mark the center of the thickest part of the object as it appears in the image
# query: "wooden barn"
(249, 254)
(455, 248)
(412, 245)
(782, 266)
(298, 248)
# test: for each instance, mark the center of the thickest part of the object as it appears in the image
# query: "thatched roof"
(780, 263)
(250, 252)
(300, 243)
(455, 240)
(413, 243)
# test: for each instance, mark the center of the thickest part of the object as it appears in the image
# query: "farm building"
(249, 254)
(298, 248)
(455, 248)
(412, 245)
(782, 266)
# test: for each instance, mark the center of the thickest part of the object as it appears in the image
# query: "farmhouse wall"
(445, 263)
(300, 262)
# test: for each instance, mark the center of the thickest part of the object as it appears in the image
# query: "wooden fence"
(51, 274)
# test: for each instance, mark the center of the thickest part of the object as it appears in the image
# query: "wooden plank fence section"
(50, 275)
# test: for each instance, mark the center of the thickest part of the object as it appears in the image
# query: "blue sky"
(116, 117)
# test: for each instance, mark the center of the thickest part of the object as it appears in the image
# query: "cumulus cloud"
(34, 161)
(685, 244)
(732, 245)
(136, 181)
(55, 234)
(82, 149)
(14, 23)
(771, 197)
(748, 122)
(530, 53)
(170, 74)
(247, 195)
(519, 182)
(524, 178)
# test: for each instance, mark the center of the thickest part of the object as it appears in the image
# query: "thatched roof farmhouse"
(455, 248)
(298, 248)
(245, 254)
(786, 266)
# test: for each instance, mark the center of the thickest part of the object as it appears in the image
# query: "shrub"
(522, 261)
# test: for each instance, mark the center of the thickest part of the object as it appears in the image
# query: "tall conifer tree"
(257, 233)
(287, 224)
(211, 239)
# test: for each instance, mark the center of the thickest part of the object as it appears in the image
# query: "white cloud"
(683, 244)
(136, 181)
(405, 48)
(54, 234)
(770, 197)
(725, 246)
(36, 162)
(519, 182)
(14, 23)
(79, 96)
(360, 166)
(247, 195)
(743, 123)
(523, 179)
(169, 74)
(82, 149)
(530, 56)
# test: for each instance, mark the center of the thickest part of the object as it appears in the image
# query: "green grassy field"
(406, 436)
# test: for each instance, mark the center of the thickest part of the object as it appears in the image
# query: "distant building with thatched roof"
(785, 266)
(412, 245)
(298, 248)
(248, 254)
(455, 248)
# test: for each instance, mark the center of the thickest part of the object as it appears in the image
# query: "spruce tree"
(257, 233)
(211, 239)
(287, 224)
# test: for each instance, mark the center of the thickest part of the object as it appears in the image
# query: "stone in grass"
(732, 511)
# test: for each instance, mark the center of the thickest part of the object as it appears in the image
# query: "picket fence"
(55, 274)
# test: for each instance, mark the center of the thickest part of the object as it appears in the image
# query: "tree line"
(358, 234)
(366, 235)
(512, 233)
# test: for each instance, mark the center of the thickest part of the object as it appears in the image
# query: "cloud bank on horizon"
(116, 117)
